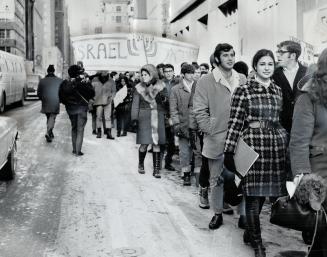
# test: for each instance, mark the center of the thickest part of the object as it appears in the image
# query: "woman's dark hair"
(222, 48)
(261, 53)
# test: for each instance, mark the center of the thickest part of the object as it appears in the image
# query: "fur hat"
(312, 191)
(51, 69)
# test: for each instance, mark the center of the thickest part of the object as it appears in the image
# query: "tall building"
(12, 26)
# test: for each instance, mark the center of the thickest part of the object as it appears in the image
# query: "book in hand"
(244, 157)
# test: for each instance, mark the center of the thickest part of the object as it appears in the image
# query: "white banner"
(123, 51)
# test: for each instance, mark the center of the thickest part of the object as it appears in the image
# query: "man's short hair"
(187, 68)
(168, 66)
(196, 66)
(221, 48)
(205, 65)
(74, 71)
(160, 65)
(292, 47)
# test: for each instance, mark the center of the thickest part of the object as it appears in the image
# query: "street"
(97, 205)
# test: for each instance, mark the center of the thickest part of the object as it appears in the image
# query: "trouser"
(78, 122)
(218, 174)
(103, 111)
(94, 120)
(204, 171)
(185, 154)
(51, 118)
(170, 145)
(122, 120)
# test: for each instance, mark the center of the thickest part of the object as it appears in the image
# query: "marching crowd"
(279, 109)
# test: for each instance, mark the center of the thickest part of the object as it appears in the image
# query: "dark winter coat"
(48, 93)
(150, 104)
(75, 94)
(289, 94)
(179, 108)
(255, 102)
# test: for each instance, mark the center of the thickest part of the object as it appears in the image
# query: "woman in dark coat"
(123, 109)
(308, 144)
(150, 103)
(254, 116)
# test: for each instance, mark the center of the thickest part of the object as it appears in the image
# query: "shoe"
(79, 154)
(216, 221)
(169, 167)
(94, 132)
(156, 164)
(187, 179)
(118, 133)
(227, 209)
(48, 138)
(124, 134)
(242, 222)
(109, 136)
(141, 162)
(99, 132)
(204, 199)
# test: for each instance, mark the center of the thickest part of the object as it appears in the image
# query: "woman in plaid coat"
(254, 116)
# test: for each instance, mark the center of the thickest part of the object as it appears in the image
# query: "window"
(2, 33)
(118, 19)
(118, 8)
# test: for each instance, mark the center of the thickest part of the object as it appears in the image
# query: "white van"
(12, 80)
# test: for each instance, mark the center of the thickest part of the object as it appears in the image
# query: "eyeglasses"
(166, 71)
(282, 51)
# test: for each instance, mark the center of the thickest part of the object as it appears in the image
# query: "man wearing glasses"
(287, 76)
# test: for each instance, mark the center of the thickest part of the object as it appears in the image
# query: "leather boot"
(99, 133)
(187, 179)
(109, 136)
(156, 164)
(141, 162)
(118, 133)
(253, 234)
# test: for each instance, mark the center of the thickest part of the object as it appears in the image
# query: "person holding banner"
(150, 104)
(254, 117)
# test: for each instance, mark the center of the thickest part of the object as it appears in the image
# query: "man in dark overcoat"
(287, 76)
(48, 93)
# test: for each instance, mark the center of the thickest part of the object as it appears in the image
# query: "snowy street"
(97, 205)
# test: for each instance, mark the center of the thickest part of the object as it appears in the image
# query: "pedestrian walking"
(48, 93)
(150, 104)
(75, 93)
(254, 117)
(211, 106)
(179, 112)
(105, 90)
(308, 143)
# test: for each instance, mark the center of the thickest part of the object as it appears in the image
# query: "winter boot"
(109, 136)
(118, 133)
(94, 132)
(204, 199)
(156, 164)
(99, 132)
(187, 179)
(124, 134)
(141, 162)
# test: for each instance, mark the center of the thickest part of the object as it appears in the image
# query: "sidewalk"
(109, 209)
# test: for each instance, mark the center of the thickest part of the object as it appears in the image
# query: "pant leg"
(81, 122)
(51, 121)
(99, 111)
(73, 121)
(107, 115)
(170, 145)
(216, 184)
(119, 119)
(125, 119)
(185, 154)
(94, 119)
(204, 173)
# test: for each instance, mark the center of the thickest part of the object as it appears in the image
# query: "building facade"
(12, 26)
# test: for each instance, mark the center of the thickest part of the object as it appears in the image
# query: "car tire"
(8, 171)
(2, 103)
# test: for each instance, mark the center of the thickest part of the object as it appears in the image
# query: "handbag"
(287, 212)
(233, 194)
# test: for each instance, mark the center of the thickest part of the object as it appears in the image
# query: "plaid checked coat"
(253, 102)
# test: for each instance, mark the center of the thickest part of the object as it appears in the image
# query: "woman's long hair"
(318, 85)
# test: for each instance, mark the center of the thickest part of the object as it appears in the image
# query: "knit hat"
(51, 69)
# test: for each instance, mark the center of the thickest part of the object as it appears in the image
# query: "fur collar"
(150, 92)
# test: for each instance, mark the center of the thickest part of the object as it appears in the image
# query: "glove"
(135, 124)
(193, 138)
(178, 130)
(230, 164)
(160, 98)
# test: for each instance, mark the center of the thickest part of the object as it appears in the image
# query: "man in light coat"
(211, 105)
(48, 93)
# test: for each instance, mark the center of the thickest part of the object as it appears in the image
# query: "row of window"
(4, 33)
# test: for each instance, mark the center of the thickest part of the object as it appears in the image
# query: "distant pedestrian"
(150, 103)
(75, 94)
(48, 93)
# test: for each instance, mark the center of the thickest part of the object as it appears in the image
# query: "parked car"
(8, 148)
